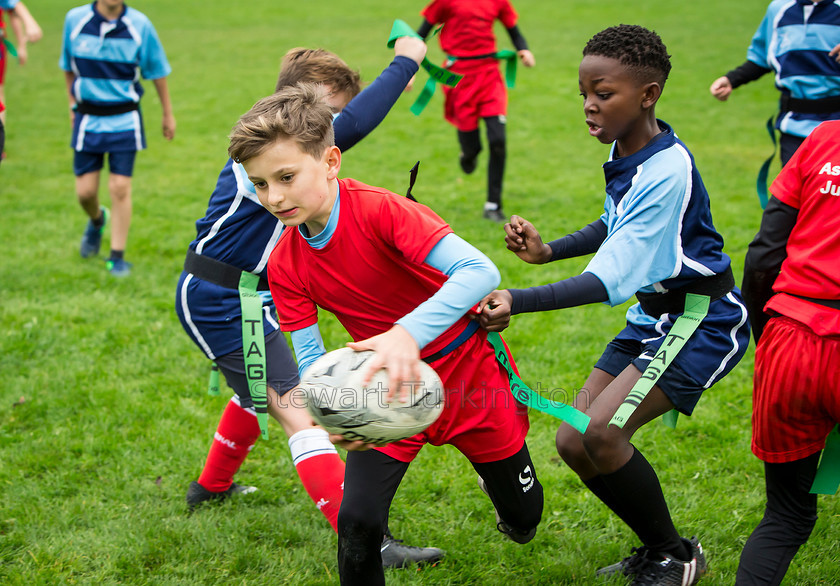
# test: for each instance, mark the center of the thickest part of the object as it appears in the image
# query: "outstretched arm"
(368, 109)
(496, 308)
(523, 239)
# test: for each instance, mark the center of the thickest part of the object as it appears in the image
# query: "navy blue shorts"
(281, 369)
(710, 353)
(119, 162)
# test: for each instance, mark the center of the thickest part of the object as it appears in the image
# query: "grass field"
(104, 419)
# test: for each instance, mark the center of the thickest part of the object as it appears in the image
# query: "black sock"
(599, 488)
(117, 254)
(638, 493)
(100, 221)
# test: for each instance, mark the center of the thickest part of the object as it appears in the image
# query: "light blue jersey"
(108, 58)
(794, 40)
(660, 234)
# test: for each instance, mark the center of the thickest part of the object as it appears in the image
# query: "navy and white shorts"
(119, 162)
(281, 368)
(710, 353)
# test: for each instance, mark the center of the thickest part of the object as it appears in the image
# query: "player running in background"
(26, 30)
(796, 396)
(105, 44)
(237, 234)
(656, 240)
(400, 282)
(470, 45)
(799, 41)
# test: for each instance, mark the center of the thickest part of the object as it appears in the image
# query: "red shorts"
(481, 93)
(796, 396)
(480, 418)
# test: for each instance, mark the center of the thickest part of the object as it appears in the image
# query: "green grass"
(103, 415)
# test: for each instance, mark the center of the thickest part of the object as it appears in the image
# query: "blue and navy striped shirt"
(660, 234)
(794, 40)
(108, 58)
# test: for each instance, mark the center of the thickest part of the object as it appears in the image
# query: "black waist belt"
(83, 108)
(465, 335)
(216, 272)
(473, 57)
(831, 303)
(818, 106)
(673, 301)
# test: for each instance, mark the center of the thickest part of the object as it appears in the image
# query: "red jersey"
(370, 273)
(810, 182)
(468, 24)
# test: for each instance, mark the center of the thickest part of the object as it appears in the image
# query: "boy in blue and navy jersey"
(656, 240)
(106, 47)
(799, 41)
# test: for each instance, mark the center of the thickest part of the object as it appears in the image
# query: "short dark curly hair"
(640, 49)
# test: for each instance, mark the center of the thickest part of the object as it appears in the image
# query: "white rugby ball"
(339, 403)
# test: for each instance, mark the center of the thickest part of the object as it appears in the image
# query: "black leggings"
(789, 518)
(497, 142)
(370, 481)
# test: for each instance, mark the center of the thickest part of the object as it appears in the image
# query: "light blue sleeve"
(8, 4)
(758, 49)
(471, 276)
(64, 58)
(308, 346)
(643, 240)
(153, 62)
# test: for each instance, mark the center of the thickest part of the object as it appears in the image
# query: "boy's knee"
(601, 445)
(357, 521)
(569, 446)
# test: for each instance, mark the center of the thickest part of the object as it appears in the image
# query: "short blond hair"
(301, 65)
(298, 113)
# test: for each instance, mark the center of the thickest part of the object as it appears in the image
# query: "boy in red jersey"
(470, 45)
(792, 289)
(401, 283)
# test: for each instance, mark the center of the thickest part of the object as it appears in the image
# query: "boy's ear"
(332, 159)
(650, 94)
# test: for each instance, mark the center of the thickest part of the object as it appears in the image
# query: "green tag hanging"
(827, 480)
(761, 180)
(436, 74)
(526, 396)
(253, 346)
(696, 308)
(213, 384)
(10, 48)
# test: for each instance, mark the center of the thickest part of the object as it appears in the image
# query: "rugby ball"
(338, 402)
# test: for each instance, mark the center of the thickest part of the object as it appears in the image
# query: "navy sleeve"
(765, 256)
(368, 109)
(746, 72)
(584, 241)
(517, 39)
(579, 290)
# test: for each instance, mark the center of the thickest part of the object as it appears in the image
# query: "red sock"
(321, 470)
(234, 438)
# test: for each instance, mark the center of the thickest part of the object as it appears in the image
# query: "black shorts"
(280, 366)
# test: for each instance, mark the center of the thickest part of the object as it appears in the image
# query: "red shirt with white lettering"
(810, 182)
